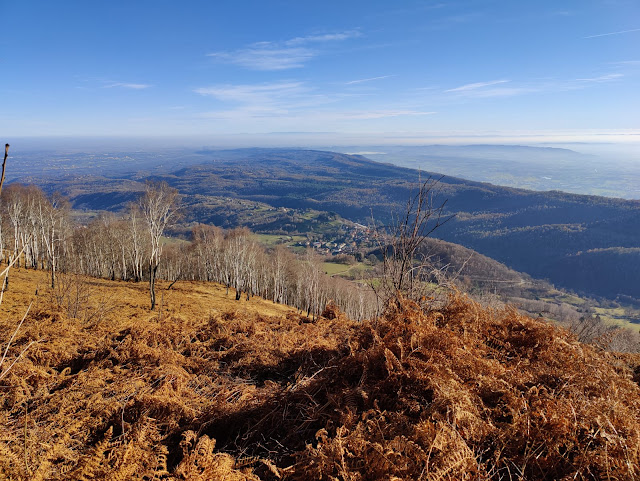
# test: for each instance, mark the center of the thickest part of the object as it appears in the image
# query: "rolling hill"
(539, 233)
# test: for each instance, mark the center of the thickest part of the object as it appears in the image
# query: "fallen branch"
(4, 356)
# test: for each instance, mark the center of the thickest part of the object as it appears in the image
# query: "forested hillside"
(39, 232)
(539, 233)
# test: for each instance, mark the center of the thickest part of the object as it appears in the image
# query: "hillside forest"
(39, 233)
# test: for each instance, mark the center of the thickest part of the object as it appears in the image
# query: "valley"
(582, 243)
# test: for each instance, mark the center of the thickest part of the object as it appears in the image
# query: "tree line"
(39, 232)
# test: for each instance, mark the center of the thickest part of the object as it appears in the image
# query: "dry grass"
(127, 299)
(215, 389)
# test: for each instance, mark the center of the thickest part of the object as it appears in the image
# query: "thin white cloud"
(381, 114)
(614, 33)
(267, 57)
(125, 85)
(496, 89)
(627, 62)
(277, 99)
(311, 117)
(359, 81)
(503, 92)
(327, 37)
(477, 85)
(602, 78)
(290, 104)
(246, 94)
(285, 55)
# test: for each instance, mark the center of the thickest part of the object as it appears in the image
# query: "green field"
(333, 269)
(345, 270)
(571, 299)
(172, 241)
(618, 316)
(621, 316)
(271, 240)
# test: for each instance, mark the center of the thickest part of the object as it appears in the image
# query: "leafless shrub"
(405, 270)
(588, 329)
(623, 340)
(75, 295)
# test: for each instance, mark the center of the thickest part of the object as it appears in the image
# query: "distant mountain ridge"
(539, 168)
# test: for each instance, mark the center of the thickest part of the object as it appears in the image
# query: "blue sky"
(322, 72)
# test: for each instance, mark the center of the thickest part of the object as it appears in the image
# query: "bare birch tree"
(136, 248)
(281, 260)
(52, 216)
(207, 246)
(311, 273)
(159, 206)
(14, 204)
(240, 255)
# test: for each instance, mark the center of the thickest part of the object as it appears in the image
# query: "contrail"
(613, 33)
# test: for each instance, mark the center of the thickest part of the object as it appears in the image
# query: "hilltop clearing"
(196, 391)
(108, 302)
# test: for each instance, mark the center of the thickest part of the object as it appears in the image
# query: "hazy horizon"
(296, 73)
(627, 151)
(606, 169)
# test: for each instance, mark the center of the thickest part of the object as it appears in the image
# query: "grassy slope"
(216, 389)
(128, 300)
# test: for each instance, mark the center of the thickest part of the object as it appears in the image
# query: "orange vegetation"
(211, 388)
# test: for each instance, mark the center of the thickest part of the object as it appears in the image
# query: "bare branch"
(4, 165)
(401, 241)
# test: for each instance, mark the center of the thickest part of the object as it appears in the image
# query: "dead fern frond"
(89, 464)
(447, 391)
